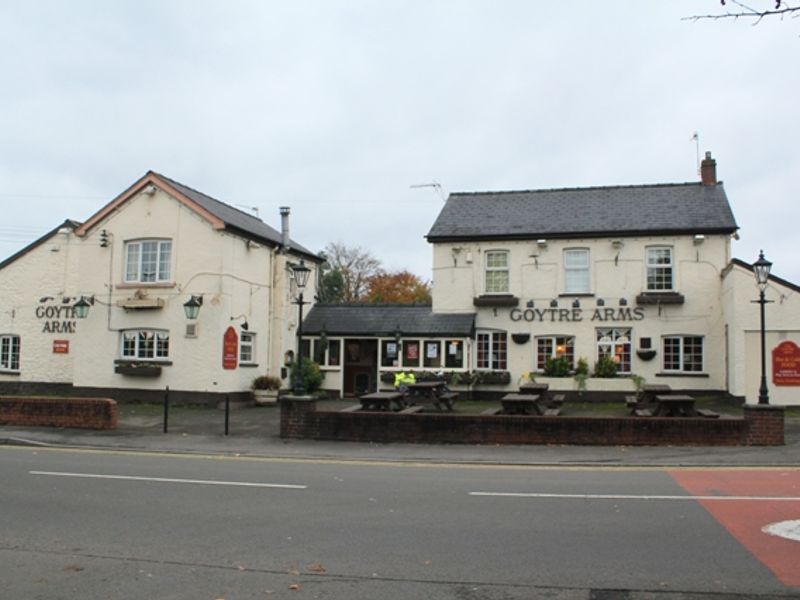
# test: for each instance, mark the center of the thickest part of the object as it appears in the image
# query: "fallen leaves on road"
(74, 568)
(315, 568)
(294, 587)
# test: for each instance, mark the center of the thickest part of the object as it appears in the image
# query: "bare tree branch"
(780, 9)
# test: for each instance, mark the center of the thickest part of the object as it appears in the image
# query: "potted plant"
(265, 389)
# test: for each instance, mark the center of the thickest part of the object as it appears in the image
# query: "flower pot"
(265, 396)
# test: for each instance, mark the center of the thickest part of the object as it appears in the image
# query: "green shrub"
(557, 367)
(582, 368)
(312, 375)
(605, 367)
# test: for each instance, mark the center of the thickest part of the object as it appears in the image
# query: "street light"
(301, 273)
(761, 269)
(192, 307)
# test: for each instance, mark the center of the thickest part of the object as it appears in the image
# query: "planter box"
(265, 396)
(138, 371)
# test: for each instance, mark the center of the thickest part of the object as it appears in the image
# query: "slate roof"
(373, 320)
(236, 219)
(585, 212)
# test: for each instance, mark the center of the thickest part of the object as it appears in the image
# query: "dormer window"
(148, 261)
(497, 272)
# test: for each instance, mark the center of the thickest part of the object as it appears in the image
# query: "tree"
(331, 283)
(355, 266)
(779, 8)
(401, 287)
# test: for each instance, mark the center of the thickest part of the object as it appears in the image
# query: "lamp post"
(301, 273)
(761, 269)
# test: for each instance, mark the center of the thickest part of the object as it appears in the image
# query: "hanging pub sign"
(786, 364)
(230, 349)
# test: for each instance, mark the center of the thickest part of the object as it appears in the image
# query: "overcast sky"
(337, 108)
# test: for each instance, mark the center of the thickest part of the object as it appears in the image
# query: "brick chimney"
(708, 170)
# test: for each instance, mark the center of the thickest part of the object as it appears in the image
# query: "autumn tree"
(401, 287)
(346, 273)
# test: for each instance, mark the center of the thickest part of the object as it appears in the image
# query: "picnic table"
(534, 388)
(521, 404)
(674, 405)
(433, 391)
(382, 401)
(646, 397)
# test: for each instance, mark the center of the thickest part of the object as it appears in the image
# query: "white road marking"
(633, 497)
(170, 480)
(785, 529)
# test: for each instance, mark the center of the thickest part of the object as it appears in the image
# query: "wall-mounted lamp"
(542, 244)
(81, 307)
(601, 302)
(66, 300)
(150, 190)
(699, 239)
(397, 334)
(576, 303)
(553, 303)
(245, 325)
(623, 302)
(192, 307)
(529, 304)
(104, 239)
(44, 299)
(617, 244)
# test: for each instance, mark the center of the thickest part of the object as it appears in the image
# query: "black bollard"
(166, 409)
(227, 412)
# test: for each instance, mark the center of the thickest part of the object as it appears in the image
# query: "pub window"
(145, 344)
(411, 349)
(683, 353)
(659, 269)
(390, 353)
(497, 272)
(247, 347)
(454, 354)
(554, 347)
(148, 261)
(305, 348)
(327, 354)
(576, 271)
(492, 349)
(9, 353)
(334, 353)
(615, 344)
(433, 355)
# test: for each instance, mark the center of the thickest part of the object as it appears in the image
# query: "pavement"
(254, 431)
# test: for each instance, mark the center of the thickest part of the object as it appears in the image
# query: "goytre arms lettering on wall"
(575, 315)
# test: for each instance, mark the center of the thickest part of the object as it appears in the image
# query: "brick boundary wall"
(300, 419)
(53, 411)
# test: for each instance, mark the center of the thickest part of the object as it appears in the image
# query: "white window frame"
(326, 355)
(493, 270)
(134, 271)
(495, 351)
(247, 348)
(581, 285)
(684, 354)
(553, 342)
(656, 272)
(609, 340)
(9, 353)
(132, 344)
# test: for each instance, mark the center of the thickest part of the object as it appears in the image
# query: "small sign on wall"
(230, 349)
(786, 364)
(60, 346)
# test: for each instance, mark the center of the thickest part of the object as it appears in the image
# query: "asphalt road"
(104, 524)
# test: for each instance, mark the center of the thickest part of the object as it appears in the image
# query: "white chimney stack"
(285, 228)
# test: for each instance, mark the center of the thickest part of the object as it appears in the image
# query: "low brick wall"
(47, 411)
(300, 419)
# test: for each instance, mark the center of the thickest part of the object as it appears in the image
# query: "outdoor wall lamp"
(81, 307)
(576, 303)
(761, 270)
(301, 273)
(245, 325)
(192, 307)
(553, 303)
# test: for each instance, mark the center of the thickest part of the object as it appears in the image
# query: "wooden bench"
(552, 412)
(643, 412)
(411, 410)
(448, 398)
(556, 400)
(352, 408)
(631, 401)
(492, 411)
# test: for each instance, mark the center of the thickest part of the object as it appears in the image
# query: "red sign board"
(786, 364)
(60, 346)
(230, 349)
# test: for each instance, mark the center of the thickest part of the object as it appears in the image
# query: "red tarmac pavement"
(759, 503)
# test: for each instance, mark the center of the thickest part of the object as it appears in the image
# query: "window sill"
(150, 284)
(679, 374)
(246, 365)
(5, 372)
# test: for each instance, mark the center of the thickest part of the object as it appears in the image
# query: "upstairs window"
(659, 269)
(497, 272)
(9, 353)
(576, 271)
(145, 344)
(148, 261)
